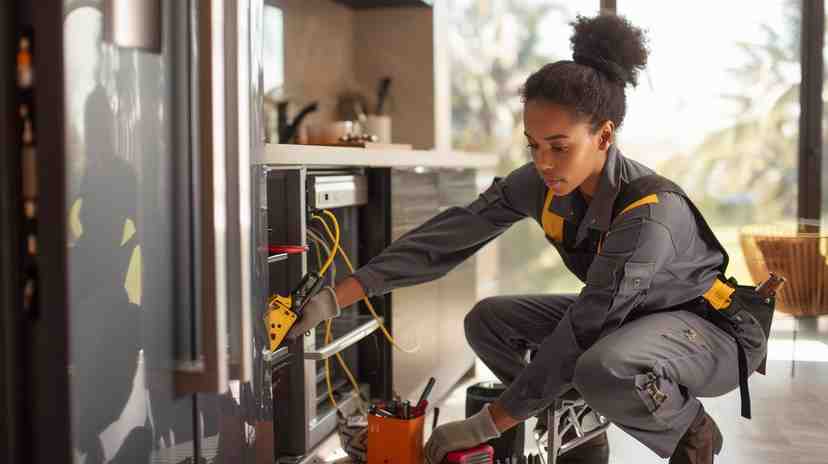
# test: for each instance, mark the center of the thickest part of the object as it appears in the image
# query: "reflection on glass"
(119, 195)
(273, 50)
(273, 68)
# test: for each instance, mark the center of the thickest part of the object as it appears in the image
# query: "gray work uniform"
(637, 364)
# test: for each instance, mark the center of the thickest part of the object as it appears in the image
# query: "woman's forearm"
(348, 292)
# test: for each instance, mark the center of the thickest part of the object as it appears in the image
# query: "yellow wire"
(327, 333)
(387, 335)
(330, 259)
(328, 365)
(339, 358)
(328, 338)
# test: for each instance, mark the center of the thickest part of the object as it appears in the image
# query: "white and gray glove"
(460, 435)
(320, 307)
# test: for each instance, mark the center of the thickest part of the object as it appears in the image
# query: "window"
(717, 109)
(495, 45)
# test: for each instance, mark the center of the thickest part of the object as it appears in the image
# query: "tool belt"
(725, 305)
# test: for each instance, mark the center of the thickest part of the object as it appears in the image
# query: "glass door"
(127, 161)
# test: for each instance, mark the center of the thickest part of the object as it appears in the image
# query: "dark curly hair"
(607, 53)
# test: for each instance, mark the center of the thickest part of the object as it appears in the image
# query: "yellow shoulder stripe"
(644, 201)
(553, 225)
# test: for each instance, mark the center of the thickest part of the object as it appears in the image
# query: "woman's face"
(565, 151)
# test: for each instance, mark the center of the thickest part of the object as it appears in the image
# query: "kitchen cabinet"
(406, 188)
(431, 314)
(415, 310)
(126, 287)
(145, 341)
(458, 289)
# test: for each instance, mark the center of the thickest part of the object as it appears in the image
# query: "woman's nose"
(543, 158)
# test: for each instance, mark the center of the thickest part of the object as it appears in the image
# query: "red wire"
(289, 249)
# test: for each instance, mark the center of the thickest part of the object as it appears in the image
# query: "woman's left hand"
(460, 435)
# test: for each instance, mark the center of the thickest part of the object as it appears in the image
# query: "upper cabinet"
(358, 4)
(334, 57)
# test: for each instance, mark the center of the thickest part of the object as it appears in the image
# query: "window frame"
(809, 195)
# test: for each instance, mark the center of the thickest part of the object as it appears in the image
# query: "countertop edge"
(312, 155)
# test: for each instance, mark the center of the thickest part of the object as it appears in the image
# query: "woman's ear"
(605, 133)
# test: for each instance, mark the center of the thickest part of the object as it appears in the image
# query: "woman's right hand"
(320, 307)
(326, 304)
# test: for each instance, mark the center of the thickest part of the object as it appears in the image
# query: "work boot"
(700, 443)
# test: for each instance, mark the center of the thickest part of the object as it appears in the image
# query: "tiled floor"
(790, 407)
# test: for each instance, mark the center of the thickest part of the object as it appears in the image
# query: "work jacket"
(645, 257)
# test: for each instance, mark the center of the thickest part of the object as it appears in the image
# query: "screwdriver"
(427, 391)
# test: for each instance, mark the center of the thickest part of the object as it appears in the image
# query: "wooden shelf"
(362, 4)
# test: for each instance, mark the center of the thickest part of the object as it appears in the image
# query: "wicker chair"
(801, 257)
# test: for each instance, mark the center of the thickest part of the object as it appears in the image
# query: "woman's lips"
(552, 180)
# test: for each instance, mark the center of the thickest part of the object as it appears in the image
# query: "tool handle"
(406, 410)
(427, 390)
(769, 287)
(385, 83)
(308, 286)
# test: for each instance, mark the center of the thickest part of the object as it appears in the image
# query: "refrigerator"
(129, 321)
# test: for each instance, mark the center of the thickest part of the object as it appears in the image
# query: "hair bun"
(610, 44)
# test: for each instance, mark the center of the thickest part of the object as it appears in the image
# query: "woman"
(634, 342)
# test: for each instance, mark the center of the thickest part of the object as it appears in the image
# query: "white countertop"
(374, 157)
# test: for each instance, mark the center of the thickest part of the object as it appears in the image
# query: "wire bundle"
(334, 236)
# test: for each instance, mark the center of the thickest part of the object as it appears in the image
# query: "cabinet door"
(124, 127)
(457, 290)
(415, 310)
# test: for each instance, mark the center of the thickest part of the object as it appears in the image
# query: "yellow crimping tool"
(284, 311)
(279, 319)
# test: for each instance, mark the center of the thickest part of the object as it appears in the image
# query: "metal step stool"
(569, 413)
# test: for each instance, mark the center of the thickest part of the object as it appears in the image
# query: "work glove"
(460, 435)
(320, 307)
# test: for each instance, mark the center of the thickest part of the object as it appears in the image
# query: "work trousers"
(645, 377)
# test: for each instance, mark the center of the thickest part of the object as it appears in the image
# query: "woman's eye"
(554, 148)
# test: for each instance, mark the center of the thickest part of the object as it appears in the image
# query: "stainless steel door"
(131, 235)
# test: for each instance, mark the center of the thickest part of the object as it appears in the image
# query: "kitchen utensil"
(385, 83)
